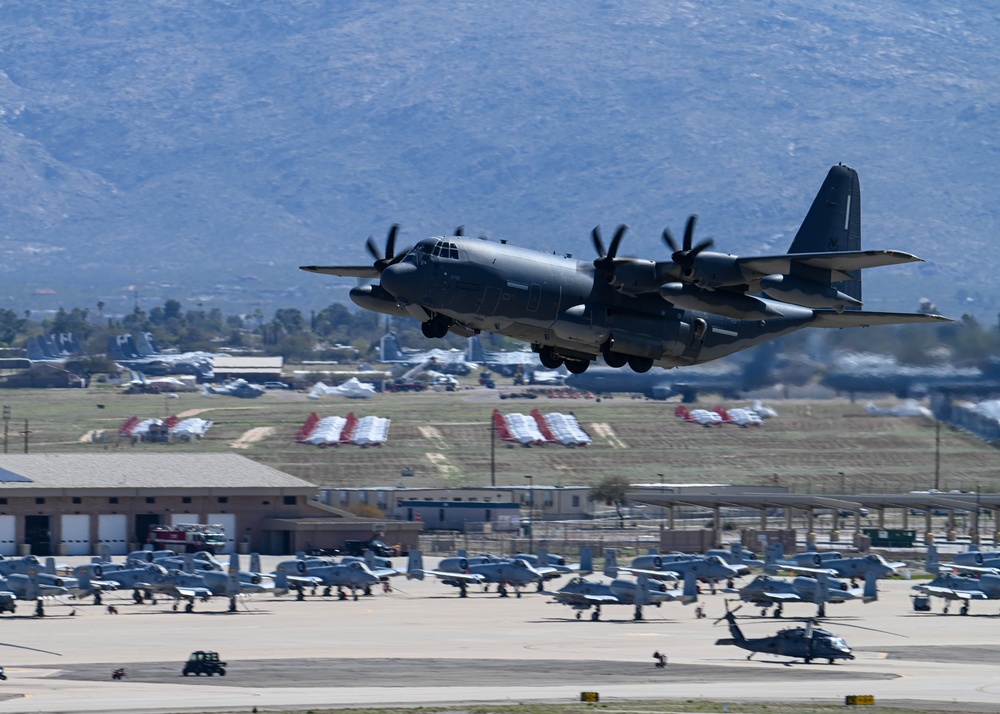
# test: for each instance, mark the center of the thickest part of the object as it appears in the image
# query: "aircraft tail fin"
(415, 565)
(690, 593)
(474, 351)
(586, 561)
(82, 574)
(50, 566)
(833, 223)
(543, 556)
(642, 589)
(822, 592)
(255, 563)
(772, 554)
(611, 563)
(233, 580)
(280, 579)
(871, 587)
(389, 348)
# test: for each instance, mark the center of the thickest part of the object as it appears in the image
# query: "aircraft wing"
(193, 592)
(384, 572)
(952, 594)
(306, 581)
(654, 574)
(467, 577)
(969, 569)
(548, 572)
(815, 571)
(344, 271)
(584, 599)
(783, 597)
(837, 261)
(862, 318)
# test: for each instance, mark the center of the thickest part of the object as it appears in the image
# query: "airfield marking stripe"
(605, 431)
(440, 461)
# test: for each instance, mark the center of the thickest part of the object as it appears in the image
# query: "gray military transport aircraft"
(696, 307)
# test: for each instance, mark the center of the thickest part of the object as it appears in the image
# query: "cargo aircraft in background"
(696, 307)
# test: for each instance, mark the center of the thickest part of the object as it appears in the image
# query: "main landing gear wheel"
(640, 364)
(612, 358)
(436, 327)
(549, 359)
(577, 366)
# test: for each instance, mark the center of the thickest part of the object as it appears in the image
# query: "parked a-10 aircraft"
(696, 307)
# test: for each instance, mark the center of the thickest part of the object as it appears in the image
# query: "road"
(422, 644)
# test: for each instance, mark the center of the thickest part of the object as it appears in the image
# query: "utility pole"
(937, 454)
(26, 432)
(6, 425)
(493, 453)
(531, 513)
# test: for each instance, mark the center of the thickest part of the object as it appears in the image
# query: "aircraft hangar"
(918, 506)
(73, 504)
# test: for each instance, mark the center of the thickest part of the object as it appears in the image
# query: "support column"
(716, 525)
(763, 518)
(670, 515)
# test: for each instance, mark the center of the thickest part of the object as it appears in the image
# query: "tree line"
(340, 332)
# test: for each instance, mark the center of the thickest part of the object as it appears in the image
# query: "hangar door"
(8, 535)
(75, 537)
(112, 531)
(177, 518)
(228, 523)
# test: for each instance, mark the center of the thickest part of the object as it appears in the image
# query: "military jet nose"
(401, 280)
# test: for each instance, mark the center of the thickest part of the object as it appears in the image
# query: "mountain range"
(201, 150)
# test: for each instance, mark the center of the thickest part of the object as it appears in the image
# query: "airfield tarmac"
(423, 645)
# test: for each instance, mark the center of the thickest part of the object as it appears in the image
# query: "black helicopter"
(805, 643)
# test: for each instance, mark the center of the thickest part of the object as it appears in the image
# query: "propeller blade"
(616, 241)
(598, 243)
(692, 254)
(460, 231)
(689, 231)
(671, 243)
(390, 242)
(373, 249)
(402, 254)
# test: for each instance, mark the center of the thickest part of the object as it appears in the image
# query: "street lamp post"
(531, 513)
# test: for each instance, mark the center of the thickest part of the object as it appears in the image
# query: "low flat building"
(75, 504)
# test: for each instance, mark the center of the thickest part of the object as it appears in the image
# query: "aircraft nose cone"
(400, 280)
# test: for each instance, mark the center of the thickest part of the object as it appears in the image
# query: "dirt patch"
(251, 436)
(196, 412)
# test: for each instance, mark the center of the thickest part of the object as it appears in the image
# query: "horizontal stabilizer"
(861, 318)
(344, 271)
(836, 260)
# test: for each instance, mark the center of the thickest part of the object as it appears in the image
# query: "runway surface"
(427, 646)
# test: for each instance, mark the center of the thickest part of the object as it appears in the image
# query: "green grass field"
(820, 446)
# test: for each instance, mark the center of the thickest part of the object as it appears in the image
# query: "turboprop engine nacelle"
(719, 302)
(805, 292)
(376, 299)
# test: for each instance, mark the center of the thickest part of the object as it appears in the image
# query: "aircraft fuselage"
(546, 299)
